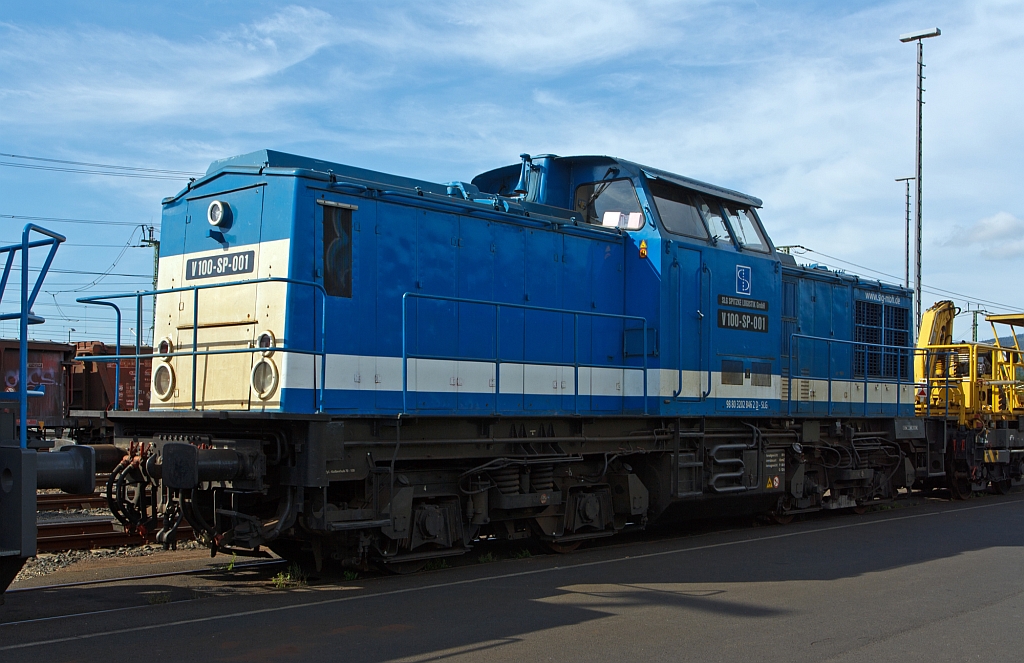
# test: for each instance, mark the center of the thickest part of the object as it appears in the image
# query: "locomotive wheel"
(960, 485)
(860, 510)
(562, 548)
(1002, 487)
(781, 518)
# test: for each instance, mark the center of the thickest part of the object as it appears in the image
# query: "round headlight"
(165, 347)
(264, 378)
(266, 342)
(163, 381)
(218, 213)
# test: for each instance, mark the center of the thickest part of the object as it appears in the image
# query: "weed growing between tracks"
(293, 577)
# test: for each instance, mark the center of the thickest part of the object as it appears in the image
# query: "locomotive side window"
(712, 213)
(611, 203)
(338, 251)
(677, 213)
(732, 371)
(760, 374)
(745, 225)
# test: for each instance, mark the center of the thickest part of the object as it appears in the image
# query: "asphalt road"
(935, 582)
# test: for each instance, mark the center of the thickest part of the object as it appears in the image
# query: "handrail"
(117, 351)
(910, 351)
(100, 300)
(24, 314)
(497, 345)
(948, 382)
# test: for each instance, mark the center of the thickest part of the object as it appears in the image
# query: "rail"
(866, 379)
(498, 306)
(195, 352)
(25, 316)
(93, 532)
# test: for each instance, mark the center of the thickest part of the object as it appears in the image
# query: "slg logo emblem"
(742, 280)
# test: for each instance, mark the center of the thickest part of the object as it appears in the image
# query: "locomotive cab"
(699, 266)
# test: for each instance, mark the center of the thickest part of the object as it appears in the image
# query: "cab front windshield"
(745, 225)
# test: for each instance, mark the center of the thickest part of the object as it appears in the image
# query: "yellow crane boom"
(974, 383)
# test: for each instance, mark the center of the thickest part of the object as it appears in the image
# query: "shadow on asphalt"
(437, 614)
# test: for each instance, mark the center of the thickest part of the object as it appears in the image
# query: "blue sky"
(807, 105)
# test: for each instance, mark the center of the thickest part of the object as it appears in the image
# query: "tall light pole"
(155, 243)
(918, 37)
(906, 235)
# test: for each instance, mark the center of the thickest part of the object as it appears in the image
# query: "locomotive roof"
(260, 160)
(635, 169)
(825, 273)
(263, 159)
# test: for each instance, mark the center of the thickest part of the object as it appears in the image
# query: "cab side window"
(712, 213)
(337, 251)
(678, 215)
(609, 203)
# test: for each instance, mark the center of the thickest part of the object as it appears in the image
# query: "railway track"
(86, 532)
(63, 502)
(89, 533)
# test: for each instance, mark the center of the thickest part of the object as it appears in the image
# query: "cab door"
(692, 309)
(344, 263)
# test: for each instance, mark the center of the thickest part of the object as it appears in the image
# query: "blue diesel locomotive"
(369, 368)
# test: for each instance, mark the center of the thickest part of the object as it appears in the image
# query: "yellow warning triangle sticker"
(769, 483)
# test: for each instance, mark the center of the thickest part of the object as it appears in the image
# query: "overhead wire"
(87, 168)
(108, 271)
(88, 273)
(931, 289)
(52, 219)
(103, 165)
(141, 176)
(76, 244)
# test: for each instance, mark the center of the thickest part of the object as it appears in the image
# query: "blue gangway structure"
(25, 316)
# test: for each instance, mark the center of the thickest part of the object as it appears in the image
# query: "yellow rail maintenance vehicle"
(973, 393)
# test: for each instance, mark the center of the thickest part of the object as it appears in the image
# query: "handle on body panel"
(700, 317)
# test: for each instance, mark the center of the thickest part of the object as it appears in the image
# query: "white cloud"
(998, 237)
(810, 107)
(98, 76)
(523, 36)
